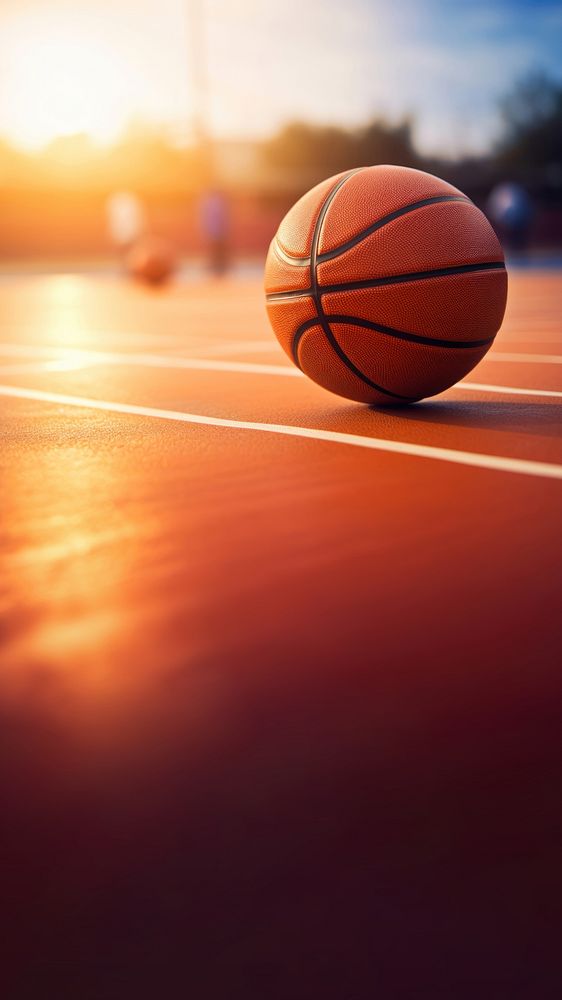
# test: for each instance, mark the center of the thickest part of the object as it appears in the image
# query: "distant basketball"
(152, 260)
(385, 284)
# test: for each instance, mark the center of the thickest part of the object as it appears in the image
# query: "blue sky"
(93, 65)
(446, 63)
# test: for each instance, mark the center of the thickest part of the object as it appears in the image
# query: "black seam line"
(311, 291)
(398, 279)
(374, 385)
(402, 335)
(297, 338)
(318, 224)
(317, 297)
(292, 294)
(288, 258)
(330, 254)
(393, 279)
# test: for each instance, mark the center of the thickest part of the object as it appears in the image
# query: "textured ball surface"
(385, 284)
(151, 260)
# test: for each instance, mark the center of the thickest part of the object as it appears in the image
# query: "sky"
(248, 66)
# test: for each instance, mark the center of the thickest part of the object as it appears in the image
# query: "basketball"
(385, 284)
(151, 260)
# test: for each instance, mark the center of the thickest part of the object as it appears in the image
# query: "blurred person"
(126, 219)
(510, 209)
(214, 213)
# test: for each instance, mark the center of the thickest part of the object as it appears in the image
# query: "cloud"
(322, 60)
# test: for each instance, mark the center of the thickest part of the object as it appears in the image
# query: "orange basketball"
(151, 260)
(385, 284)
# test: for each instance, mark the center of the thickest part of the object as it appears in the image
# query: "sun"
(69, 84)
(91, 67)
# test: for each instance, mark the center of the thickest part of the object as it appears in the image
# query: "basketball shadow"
(539, 418)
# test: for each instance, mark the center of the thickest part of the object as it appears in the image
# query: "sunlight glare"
(72, 89)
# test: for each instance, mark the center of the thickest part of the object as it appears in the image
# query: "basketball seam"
(317, 297)
(391, 279)
(388, 331)
(286, 258)
(316, 291)
(297, 338)
(403, 335)
(294, 261)
(399, 279)
(292, 293)
(375, 226)
(308, 291)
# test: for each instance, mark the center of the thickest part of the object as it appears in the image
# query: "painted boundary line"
(496, 463)
(528, 359)
(238, 346)
(508, 390)
(73, 359)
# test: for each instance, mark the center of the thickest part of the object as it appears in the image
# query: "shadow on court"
(512, 415)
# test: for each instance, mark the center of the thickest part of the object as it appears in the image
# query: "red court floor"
(280, 682)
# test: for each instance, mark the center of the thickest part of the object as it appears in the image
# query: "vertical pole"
(198, 74)
(197, 67)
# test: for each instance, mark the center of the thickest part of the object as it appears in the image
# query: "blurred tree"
(303, 147)
(380, 142)
(532, 115)
(323, 150)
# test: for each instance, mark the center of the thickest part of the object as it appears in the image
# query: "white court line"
(508, 390)
(494, 462)
(244, 347)
(31, 367)
(533, 359)
(186, 340)
(240, 347)
(35, 351)
(75, 358)
(56, 365)
(198, 364)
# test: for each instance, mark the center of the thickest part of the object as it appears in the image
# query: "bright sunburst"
(72, 88)
(88, 67)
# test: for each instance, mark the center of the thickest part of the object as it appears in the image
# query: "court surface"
(280, 685)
